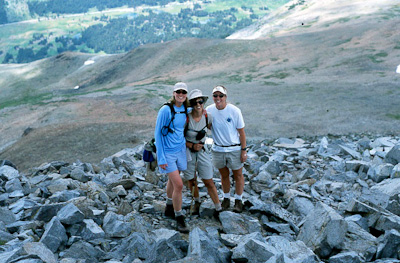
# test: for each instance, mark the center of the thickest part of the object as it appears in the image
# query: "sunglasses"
(221, 95)
(181, 91)
(196, 102)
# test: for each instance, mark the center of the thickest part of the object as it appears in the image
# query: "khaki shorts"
(227, 159)
(204, 166)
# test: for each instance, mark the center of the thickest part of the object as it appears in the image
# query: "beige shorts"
(204, 166)
(227, 159)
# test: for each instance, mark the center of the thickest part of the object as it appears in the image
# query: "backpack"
(150, 147)
(168, 127)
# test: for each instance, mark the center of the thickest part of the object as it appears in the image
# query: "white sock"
(218, 206)
(239, 197)
(178, 213)
(197, 199)
(227, 195)
(169, 201)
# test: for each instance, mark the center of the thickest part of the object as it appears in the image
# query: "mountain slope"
(304, 16)
(326, 80)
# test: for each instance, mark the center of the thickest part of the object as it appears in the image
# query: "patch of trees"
(43, 8)
(123, 34)
(3, 13)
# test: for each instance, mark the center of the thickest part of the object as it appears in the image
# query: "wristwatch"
(243, 149)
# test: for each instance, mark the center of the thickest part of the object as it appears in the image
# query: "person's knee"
(178, 187)
(209, 183)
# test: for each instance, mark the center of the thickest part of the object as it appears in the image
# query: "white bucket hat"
(196, 93)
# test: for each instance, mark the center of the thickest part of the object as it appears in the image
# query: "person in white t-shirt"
(229, 147)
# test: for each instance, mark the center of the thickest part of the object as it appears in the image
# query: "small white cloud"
(76, 87)
(89, 62)
(398, 69)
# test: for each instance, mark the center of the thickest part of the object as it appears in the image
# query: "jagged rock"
(115, 226)
(8, 173)
(165, 251)
(359, 220)
(240, 224)
(295, 251)
(64, 196)
(380, 172)
(360, 241)
(389, 248)
(80, 175)
(46, 212)
(393, 156)
(253, 250)
(84, 251)
(91, 230)
(271, 209)
(395, 171)
(204, 247)
(70, 215)
(346, 257)
(40, 250)
(136, 245)
(55, 235)
(341, 211)
(323, 231)
(6, 216)
(9, 255)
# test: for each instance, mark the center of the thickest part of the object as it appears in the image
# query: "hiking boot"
(238, 208)
(181, 225)
(196, 208)
(169, 211)
(216, 215)
(226, 203)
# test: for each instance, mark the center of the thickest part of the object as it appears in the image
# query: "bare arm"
(243, 155)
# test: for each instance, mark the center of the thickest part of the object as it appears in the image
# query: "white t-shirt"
(224, 127)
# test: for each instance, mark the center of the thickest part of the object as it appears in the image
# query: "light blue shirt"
(167, 142)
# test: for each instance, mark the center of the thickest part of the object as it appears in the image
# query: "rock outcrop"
(325, 199)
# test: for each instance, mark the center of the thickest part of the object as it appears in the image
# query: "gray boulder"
(324, 230)
(55, 235)
(240, 224)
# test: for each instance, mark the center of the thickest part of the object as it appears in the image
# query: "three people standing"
(228, 150)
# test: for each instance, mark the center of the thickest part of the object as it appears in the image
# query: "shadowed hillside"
(337, 79)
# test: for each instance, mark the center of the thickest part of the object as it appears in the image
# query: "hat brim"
(205, 98)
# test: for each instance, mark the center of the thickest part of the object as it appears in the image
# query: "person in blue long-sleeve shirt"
(171, 151)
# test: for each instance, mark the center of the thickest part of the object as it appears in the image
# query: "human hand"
(197, 147)
(163, 166)
(243, 156)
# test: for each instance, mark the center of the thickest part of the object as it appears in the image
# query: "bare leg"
(192, 183)
(212, 190)
(239, 181)
(174, 189)
(226, 184)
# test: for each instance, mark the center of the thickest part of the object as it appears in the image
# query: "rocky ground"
(315, 199)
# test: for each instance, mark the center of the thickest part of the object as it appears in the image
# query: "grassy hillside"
(334, 80)
(55, 33)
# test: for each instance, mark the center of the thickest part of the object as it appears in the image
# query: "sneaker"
(169, 211)
(196, 208)
(181, 225)
(226, 203)
(238, 208)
